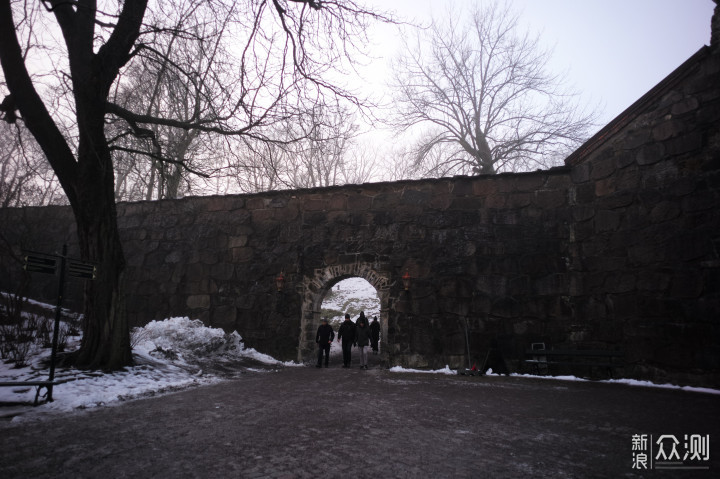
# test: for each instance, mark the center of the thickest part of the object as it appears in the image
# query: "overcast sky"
(612, 50)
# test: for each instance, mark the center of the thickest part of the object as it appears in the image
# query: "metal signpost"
(47, 263)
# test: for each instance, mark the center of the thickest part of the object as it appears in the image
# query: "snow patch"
(445, 370)
(169, 355)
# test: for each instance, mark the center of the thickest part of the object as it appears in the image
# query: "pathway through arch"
(351, 296)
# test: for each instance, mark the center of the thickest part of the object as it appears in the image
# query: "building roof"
(637, 108)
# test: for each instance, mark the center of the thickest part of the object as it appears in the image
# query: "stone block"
(359, 203)
(668, 129)
(338, 202)
(616, 200)
(288, 213)
(691, 246)
(385, 201)
(686, 285)
(687, 143)
(415, 197)
(198, 301)
(685, 105)
(701, 201)
(583, 213)
(494, 201)
(517, 200)
(606, 220)
(552, 284)
(602, 163)
(584, 193)
(255, 203)
(650, 154)
(222, 271)
(624, 158)
(620, 282)
(580, 173)
(483, 186)
(224, 317)
(664, 211)
(606, 186)
(277, 202)
(466, 203)
(262, 216)
(237, 241)
(652, 281)
(242, 255)
(529, 182)
(462, 186)
(549, 199)
(315, 204)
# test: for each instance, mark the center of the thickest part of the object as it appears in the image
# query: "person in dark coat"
(362, 340)
(346, 333)
(324, 339)
(374, 334)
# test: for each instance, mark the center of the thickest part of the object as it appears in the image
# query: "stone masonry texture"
(617, 250)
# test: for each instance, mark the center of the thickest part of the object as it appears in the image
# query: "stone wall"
(644, 243)
(490, 250)
(618, 250)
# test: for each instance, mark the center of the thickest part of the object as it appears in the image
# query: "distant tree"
(25, 177)
(275, 54)
(478, 99)
(317, 148)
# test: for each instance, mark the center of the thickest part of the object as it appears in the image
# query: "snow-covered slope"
(351, 296)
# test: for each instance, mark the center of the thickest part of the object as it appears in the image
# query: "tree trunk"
(106, 339)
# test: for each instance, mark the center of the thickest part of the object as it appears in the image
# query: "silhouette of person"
(324, 339)
(346, 333)
(374, 334)
(362, 339)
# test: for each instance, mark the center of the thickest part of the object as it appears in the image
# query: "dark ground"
(325, 423)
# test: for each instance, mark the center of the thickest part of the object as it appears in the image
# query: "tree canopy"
(476, 96)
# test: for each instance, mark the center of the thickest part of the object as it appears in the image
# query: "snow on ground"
(173, 354)
(400, 369)
(169, 355)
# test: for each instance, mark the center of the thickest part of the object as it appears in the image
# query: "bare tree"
(478, 99)
(280, 50)
(320, 158)
(318, 148)
(25, 177)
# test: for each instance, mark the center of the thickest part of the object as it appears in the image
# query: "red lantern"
(406, 280)
(280, 282)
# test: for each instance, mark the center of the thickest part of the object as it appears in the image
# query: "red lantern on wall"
(280, 282)
(406, 280)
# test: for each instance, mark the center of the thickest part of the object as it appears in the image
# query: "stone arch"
(315, 289)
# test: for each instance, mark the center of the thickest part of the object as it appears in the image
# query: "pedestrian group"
(360, 334)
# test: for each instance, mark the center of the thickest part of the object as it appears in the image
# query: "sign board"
(39, 264)
(79, 269)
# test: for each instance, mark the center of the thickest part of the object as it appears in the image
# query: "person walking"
(374, 334)
(346, 333)
(324, 339)
(362, 340)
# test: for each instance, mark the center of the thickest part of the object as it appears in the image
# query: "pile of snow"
(445, 370)
(189, 342)
(169, 355)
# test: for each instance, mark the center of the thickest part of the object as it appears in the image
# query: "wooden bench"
(542, 359)
(39, 384)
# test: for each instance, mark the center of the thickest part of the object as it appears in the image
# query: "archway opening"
(350, 296)
(324, 284)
